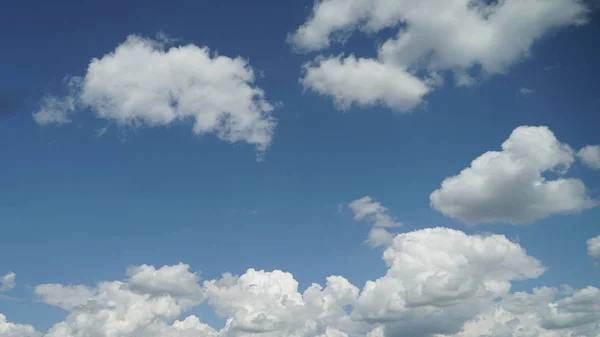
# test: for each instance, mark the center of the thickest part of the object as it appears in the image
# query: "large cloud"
(439, 282)
(509, 185)
(8, 281)
(438, 35)
(144, 83)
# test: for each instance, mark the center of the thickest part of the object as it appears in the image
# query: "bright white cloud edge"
(509, 185)
(145, 82)
(434, 36)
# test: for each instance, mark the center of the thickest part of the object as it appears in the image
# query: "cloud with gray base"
(509, 185)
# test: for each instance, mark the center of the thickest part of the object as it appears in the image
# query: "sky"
(331, 168)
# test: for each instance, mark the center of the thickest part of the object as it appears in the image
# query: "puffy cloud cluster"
(8, 329)
(439, 282)
(433, 36)
(368, 209)
(8, 281)
(144, 83)
(510, 186)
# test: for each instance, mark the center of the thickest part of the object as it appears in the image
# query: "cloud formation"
(8, 329)
(463, 37)
(370, 210)
(142, 82)
(590, 156)
(509, 185)
(439, 282)
(8, 282)
(593, 247)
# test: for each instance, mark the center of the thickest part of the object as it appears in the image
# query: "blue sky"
(78, 207)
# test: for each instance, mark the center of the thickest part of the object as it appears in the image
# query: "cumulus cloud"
(593, 247)
(364, 82)
(8, 329)
(590, 156)
(433, 35)
(142, 82)
(8, 281)
(439, 282)
(370, 210)
(510, 186)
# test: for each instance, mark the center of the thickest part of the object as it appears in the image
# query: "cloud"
(439, 282)
(8, 329)
(590, 156)
(8, 282)
(457, 36)
(593, 247)
(364, 82)
(368, 209)
(526, 91)
(143, 83)
(510, 186)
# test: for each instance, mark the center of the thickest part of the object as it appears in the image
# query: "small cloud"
(368, 209)
(8, 282)
(246, 210)
(590, 156)
(340, 207)
(593, 247)
(101, 131)
(526, 91)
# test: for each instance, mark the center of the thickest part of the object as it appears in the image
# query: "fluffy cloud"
(444, 276)
(141, 306)
(509, 185)
(365, 82)
(593, 247)
(368, 209)
(439, 282)
(590, 156)
(540, 313)
(432, 35)
(8, 329)
(8, 281)
(144, 83)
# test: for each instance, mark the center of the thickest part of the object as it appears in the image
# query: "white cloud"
(144, 83)
(175, 280)
(55, 110)
(8, 329)
(432, 35)
(546, 312)
(509, 185)
(593, 247)
(365, 82)
(439, 281)
(368, 209)
(526, 91)
(8, 282)
(590, 156)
